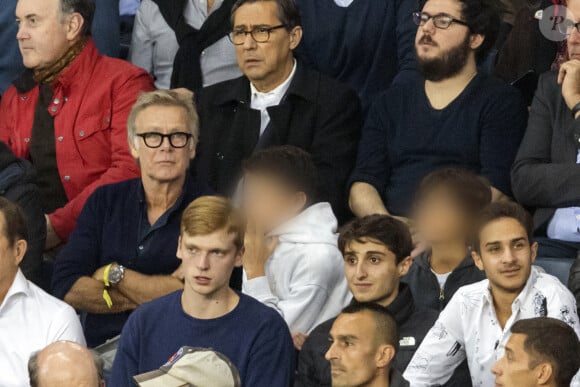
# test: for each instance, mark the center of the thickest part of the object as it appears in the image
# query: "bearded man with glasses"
(122, 253)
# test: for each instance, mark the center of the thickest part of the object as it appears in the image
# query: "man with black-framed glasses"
(122, 253)
(278, 101)
(449, 115)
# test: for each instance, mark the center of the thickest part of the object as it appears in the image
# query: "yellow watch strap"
(106, 295)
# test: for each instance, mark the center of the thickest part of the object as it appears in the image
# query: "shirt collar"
(487, 296)
(19, 286)
(279, 91)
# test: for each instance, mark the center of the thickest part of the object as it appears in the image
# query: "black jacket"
(425, 288)
(414, 322)
(317, 114)
(545, 175)
(17, 185)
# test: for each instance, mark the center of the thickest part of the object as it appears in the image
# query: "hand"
(52, 238)
(298, 339)
(257, 250)
(179, 273)
(419, 244)
(569, 78)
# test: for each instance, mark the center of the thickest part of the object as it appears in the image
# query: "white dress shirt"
(468, 327)
(30, 319)
(262, 101)
(154, 45)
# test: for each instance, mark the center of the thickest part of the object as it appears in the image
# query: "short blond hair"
(164, 98)
(208, 214)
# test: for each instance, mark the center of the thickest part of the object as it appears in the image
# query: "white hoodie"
(305, 279)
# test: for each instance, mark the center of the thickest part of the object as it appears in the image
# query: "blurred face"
(506, 255)
(356, 358)
(208, 261)
(442, 53)
(44, 34)
(165, 163)
(513, 369)
(372, 272)
(573, 40)
(440, 219)
(268, 202)
(10, 257)
(266, 64)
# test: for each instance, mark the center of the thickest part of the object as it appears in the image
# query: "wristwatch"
(116, 274)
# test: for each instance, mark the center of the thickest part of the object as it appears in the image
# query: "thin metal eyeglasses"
(441, 21)
(155, 140)
(259, 34)
(568, 26)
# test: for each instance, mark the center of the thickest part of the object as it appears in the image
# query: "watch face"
(115, 275)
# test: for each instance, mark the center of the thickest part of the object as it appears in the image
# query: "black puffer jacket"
(414, 322)
(426, 289)
(17, 185)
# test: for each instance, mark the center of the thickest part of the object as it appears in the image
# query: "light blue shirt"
(128, 7)
(565, 224)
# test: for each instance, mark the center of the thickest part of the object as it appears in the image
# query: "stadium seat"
(558, 267)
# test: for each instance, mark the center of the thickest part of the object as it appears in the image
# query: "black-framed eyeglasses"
(259, 34)
(441, 21)
(568, 26)
(155, 140)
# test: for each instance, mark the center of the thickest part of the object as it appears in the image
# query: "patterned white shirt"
(468, 327)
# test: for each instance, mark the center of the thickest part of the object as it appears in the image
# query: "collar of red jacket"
(75, 74)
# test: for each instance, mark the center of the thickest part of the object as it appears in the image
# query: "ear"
(178, 254)
(534, 251)
(192, 149)
(404, 266)
(295, 37)
(544, 374)
(134, 147)
(74, 26)
(385, 355)
(475, 41)
(477, 260)
(239, 260)
(20, 248)
(300, 199)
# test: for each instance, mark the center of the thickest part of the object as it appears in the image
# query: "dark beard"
(447, 65)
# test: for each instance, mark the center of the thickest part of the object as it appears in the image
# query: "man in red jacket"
(67, 113)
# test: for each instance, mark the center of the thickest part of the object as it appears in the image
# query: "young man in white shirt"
(292, 262)
(476, 323)
(30, 319)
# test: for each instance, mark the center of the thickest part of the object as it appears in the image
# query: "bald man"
(64, 364)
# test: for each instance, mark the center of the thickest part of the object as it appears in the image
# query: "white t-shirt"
(30, 319)
(442, 278)
(343, 3)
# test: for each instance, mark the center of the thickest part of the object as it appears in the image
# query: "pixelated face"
(354, 352)
(505, 254)
(269, 202)
(513, 369)
(208, 261)
(264, 63)
(164, 163)
(44, 34)
(372, 271)
(439, 218)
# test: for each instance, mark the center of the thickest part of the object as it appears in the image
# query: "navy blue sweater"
(113, 227)
(364, 45)
(404, 138)
(253, 336)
